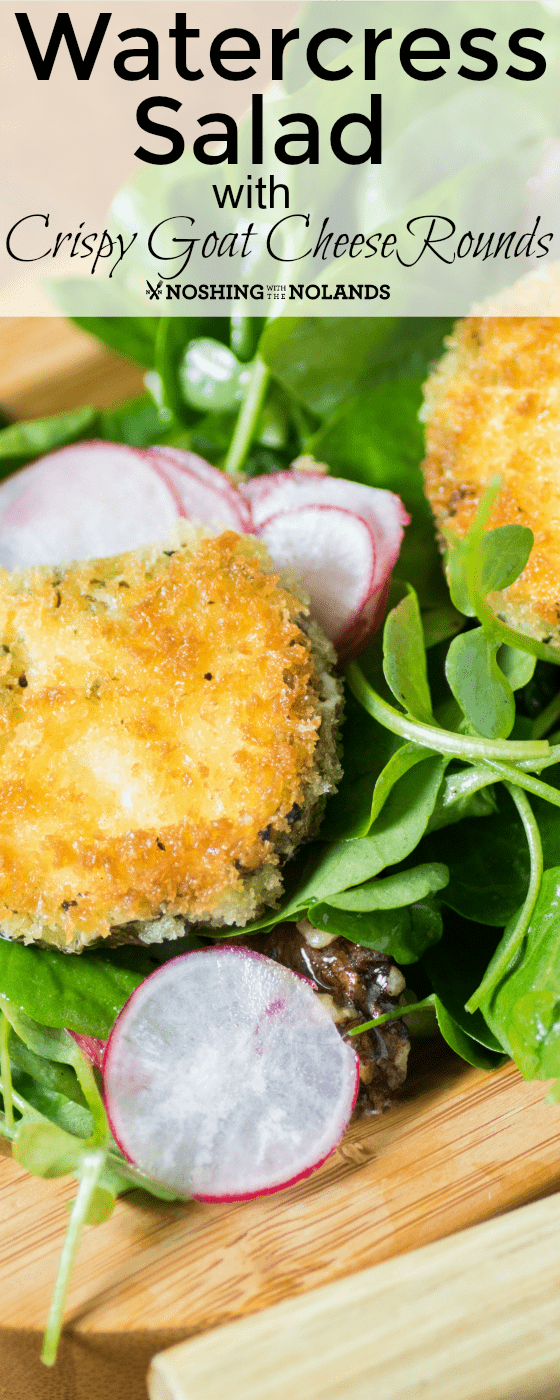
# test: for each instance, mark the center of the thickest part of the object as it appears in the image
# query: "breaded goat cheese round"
(492, 406)
(168, 735)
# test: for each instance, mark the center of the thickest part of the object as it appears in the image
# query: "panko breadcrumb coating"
(492, 406)
(167, 732)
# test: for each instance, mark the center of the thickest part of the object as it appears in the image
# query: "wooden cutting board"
(461, 1146)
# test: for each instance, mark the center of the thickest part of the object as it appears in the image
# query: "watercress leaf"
(469, 1050)
(60, 1046)
(324, 361)
(51, 1044)
(23, 442)
(517, 665)
(83, 994)
(497, 557)
(136, 422)
(405, 758)
(407, 809)
(457, 558)
(537, 695)
(175, 337)
(133, 336)
(404, 663)
(119, 1175)
(489, 870)
(367, 747)
(402, 815)
(548, 820)
(467, 793)
(100, 1206)
(56, 1107)
(524, 1010)
(60, 1078)
(392, 837)
(440, 624)
(406, 887)
(403, 934)
(46, 1150)
(504, 554)
(378, 440)
(244, 335)
(480, 687)
(319, 368)
(211, 378)
(211, 436)
(335, 867)
(455, 967)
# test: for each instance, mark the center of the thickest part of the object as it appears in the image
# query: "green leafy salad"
(441, 847)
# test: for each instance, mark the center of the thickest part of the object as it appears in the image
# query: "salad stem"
(86, 1080)
(536, 765)
(524, 780)
(514, 935)
(91, 1167)
(247, 420)
(395, 1015)
(443, 741)
(547, 718)
(5, 1030)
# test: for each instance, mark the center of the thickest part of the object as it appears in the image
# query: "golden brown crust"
(158, 722)
(493, 406)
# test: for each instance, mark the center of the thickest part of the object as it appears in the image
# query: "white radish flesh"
(382, 510)
(287, 490)
(87, 501)
(332, 552)
(206, 495)
(225, 1077)
(349, 621)
(95, 499)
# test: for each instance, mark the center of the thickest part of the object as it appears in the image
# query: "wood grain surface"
(462, 1146)
(48, 366)
(474, 1317)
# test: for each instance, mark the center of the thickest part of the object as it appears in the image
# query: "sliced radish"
(91, 1046)
(95, 499)
(360, 629)
(332, 552)
(89, 500)
(348, 614)
(204, 493)
(287, 490)
(225, 1077)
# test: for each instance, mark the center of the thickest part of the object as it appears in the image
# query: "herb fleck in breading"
(131, 788)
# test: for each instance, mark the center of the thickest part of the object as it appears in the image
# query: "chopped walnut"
(356, 984)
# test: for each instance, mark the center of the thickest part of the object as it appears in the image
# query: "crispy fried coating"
(159, 720)
(493, 407)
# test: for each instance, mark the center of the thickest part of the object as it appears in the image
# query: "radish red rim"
(333, 606)
(225, 1077)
